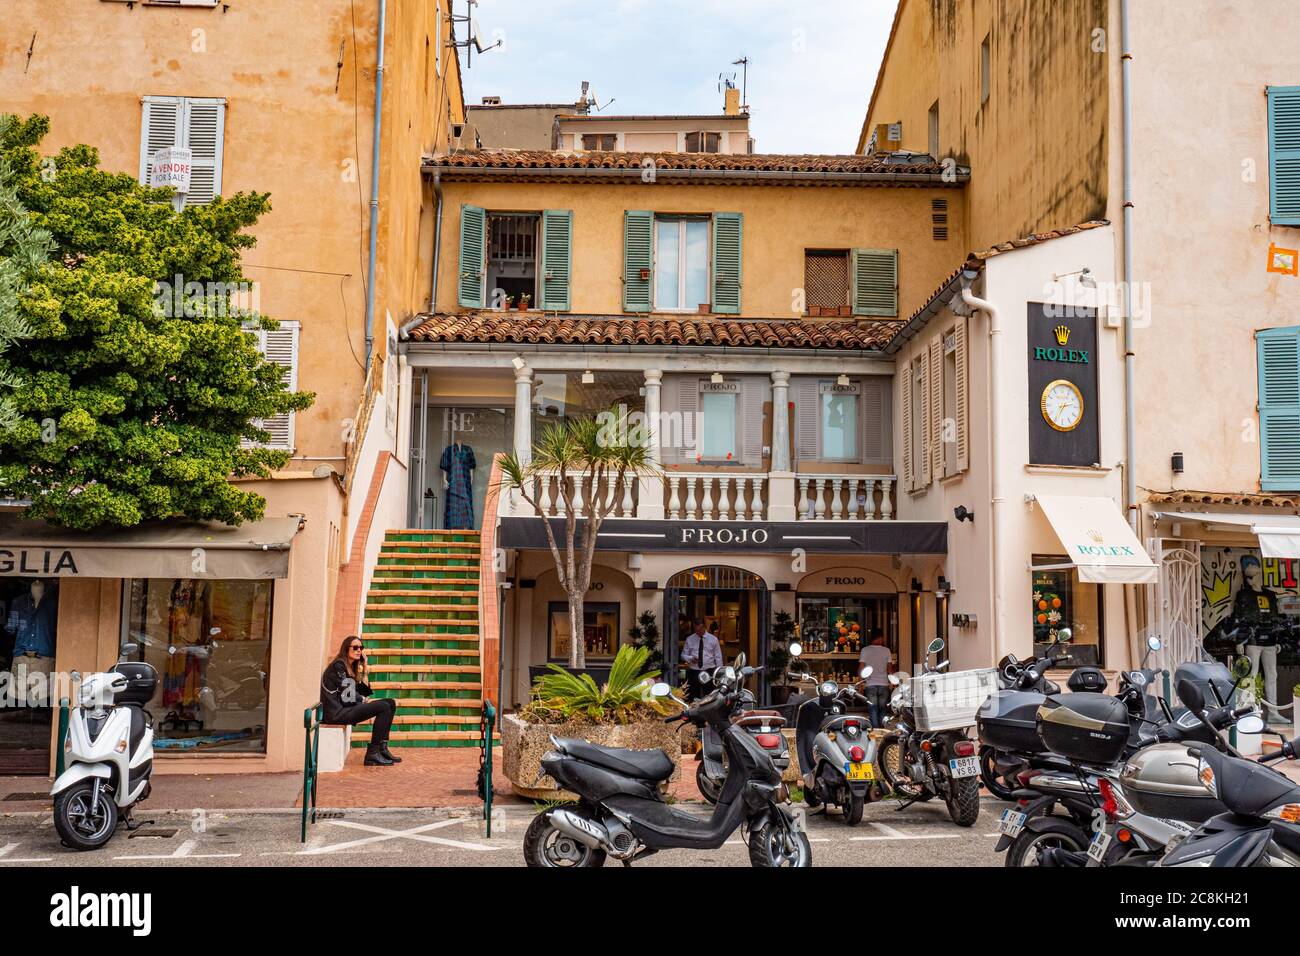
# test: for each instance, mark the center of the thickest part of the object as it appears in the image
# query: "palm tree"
(592, 456)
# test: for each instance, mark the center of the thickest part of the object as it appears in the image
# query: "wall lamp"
(1176, 463)
(962, 513)
(1086, 278)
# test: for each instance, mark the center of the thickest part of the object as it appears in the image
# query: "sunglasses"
(357, 647)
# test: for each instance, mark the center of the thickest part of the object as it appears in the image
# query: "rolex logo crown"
(1062, 333)
(1095, 536)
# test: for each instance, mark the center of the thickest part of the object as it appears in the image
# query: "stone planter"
(523, 745)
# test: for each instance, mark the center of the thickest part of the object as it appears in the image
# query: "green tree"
(134, 401)
(24, 252)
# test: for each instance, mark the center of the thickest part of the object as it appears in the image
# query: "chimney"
(491, 101)
(887, 138)
(731, 101)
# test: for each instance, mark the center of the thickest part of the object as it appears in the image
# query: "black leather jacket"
(338, 690)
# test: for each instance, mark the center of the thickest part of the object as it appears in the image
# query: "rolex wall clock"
(1062, 366)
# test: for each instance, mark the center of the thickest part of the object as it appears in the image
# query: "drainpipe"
(996, 500)
(1130, 429)
(374, 182)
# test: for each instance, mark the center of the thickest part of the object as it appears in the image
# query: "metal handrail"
(311, 721)
(486, 724)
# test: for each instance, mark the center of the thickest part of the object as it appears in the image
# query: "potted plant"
(524, 301)
(778, 657)
(619, 713)
(592, 457)
(509, 301)
(645, 633)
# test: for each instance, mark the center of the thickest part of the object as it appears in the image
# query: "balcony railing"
(845, 497)
(546, 492)
(715, 496)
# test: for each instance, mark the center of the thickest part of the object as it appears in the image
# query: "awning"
(1279, 535)
(171, 549)
(1098, 540)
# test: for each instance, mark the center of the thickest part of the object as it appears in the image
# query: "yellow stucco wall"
(288, 132)
(780, 223)
(1038, 147)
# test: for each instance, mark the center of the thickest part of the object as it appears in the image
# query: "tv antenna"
(743, 63)
(474, 39)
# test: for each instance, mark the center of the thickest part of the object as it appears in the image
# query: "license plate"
(1012, 823)
(859, 771)
(964, 766)
(1097, 848)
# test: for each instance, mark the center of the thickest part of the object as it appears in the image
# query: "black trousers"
(380, 708)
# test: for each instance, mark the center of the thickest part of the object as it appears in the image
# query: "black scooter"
(764, 725)
(620, 812)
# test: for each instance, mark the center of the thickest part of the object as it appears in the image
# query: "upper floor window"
(719, 420)
(514, 259)
(838, 420)
(188, 123)
(600, 141)
(826, 281)
(703, 142)
(1278, 352)
(681, 264)
(1284, 154)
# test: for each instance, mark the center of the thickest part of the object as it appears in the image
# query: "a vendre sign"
(172, 167)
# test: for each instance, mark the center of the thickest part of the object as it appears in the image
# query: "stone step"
(412, 606)
(429, 738)
(408, 650)
(424, 685)
(385, 668)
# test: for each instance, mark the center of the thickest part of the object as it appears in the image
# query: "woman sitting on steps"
(343, 691)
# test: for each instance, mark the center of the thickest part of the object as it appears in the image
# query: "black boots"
(377, 758)
(390, 755)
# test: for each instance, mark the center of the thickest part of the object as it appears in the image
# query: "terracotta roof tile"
(1222, 498)
(543, 328)
(1036, 239)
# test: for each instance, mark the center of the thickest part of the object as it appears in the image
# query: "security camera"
(962, 513)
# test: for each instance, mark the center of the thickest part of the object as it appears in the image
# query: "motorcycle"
(928, 753)
(108, 754)
(621, 813)
(765, 726)
(836, 753)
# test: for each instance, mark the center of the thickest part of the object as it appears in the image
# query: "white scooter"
(108, 753)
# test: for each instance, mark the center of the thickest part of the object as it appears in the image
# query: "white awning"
(1098, 540)
(1279, 535)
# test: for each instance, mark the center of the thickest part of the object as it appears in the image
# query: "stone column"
(523, 414)
(650, 502)
(780, 421)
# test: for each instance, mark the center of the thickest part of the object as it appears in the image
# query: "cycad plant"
(592, 456)
(619, 700)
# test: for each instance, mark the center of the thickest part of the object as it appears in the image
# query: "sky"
(812, 63)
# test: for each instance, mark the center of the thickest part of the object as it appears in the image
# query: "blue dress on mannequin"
(458, 463)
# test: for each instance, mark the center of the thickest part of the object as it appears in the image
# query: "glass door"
(29, 617)
(452, 447)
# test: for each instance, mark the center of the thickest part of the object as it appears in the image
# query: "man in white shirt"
(702, 651)
(878, 656)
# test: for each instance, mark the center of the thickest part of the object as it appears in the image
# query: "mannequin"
(458, 467)
(1256, 605)
(33, 620)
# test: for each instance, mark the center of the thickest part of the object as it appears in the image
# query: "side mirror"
(1065, 635)
(705, 677)
(1154, 643)
(935, 646)
(796, 649)
(895, 680)
(740, 661)
(1191, 696)
(866, 671)
(1250, 724)
(128, 651)
(660, 689)
(729, 673)
(1241, 668)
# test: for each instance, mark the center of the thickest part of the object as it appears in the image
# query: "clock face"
(1062, 405)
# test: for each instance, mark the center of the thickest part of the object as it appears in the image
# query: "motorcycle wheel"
(890, 758)
(709, 788)
(768, 849)
(994, 784)
(964, 801)
(853, 810)
(1053, 832)
(76, 825)
(547, 847)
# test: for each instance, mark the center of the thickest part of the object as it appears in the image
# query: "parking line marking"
(10, 847)
(184, 851)
(383, 834)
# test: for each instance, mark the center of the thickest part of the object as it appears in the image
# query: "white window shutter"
(873, 411)
(963, 396)
(931, 426)
(160, 128)
(681, 447)
(751, 418)
(281, 347)
(807, 420)
(905, 383)
(205, 124)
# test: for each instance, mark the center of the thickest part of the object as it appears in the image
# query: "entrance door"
(486, 430)
(731, 602)
(29, 616)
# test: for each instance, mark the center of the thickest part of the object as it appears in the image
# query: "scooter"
(836, 752)
(764, 725)
(621, 813)
(108, 754)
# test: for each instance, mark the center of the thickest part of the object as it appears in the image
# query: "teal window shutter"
(557, 258)
(1284, 155)
(473, 239)
(728, 258)
(873, 276)
(638, 259)
(1279, 408)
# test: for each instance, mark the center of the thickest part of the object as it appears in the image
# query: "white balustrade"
(714, 496)
(622, 495)
(845, 497)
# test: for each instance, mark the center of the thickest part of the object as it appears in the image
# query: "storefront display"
(29, 617)
(211, 643)
(833, 629)
(599, 626)
(1061, 601)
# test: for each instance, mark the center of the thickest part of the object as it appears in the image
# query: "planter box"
(523, 745)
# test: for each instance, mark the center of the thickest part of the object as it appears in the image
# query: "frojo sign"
(739, 536)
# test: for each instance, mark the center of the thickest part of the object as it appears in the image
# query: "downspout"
(1130, 429)
(996, 500)
(374, 182)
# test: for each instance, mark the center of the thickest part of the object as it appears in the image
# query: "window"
(512, 259)
(873, 275)
(600, 630)
(499, 259)
(681, 264)
(1284, 154)
(703, 142)
(838, 421)
(986, 62)
(719, 417)
(1060, 600)
(600, 141)
(934, 130)
(826, 281)
(281, 347)
(1278, 353)
(211, 643)
(187, 123)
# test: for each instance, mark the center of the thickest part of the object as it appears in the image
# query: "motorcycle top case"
(1162, 781)
(1207, 675)
(142, 681)
(1008, 720)
(1089, 728)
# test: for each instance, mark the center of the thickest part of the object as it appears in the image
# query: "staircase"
(421, 629)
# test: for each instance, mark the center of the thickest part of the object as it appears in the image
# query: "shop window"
(681, 264)
(29, 618)
(719, 421)
(558, 396)
(703, 142)
(826, 281)
(838, 421)
(512, 258)
(600, 141)
(211, 643)
(835, 627)
(600, 631)
(1061, 600)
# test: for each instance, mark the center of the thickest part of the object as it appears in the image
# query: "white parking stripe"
(184, 851)
(384, 834)
(10, 847)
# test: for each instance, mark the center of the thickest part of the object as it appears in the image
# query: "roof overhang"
(1279, 535)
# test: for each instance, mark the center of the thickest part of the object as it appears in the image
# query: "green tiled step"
(432, 695)
(422, 686)
(421, 629)
(455, 534)
(384, 658)
(449, 577)
(417, 588)
(429, 739)
(415, 643)
(416, 707)
(434, 610)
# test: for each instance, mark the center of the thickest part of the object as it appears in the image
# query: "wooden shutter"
(1284, 155)
(873, 420)
(688, 404)
(751, 421)
(936, 430)
(557, 258)
(1279, 408)
(905, 380)
(473, 232)
(281, 347)
(161, 126)
(874, 277)
(205, 124)
(638, 256)
(962, 333)
(806, 419)
(727, 261)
